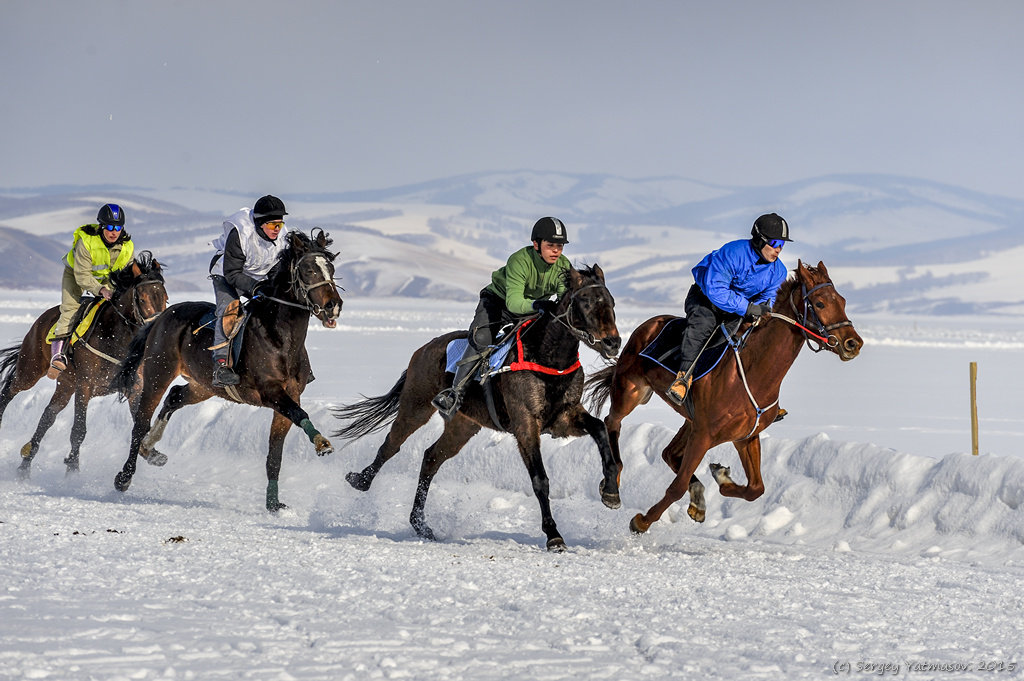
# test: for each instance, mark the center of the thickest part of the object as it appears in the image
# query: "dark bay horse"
(526, 403)
(736, 400)
(273, 364)
(138, 297)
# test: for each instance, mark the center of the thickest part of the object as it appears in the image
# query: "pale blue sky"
(333, 96)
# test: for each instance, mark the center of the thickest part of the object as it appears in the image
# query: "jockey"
(96, 251)
(740, 279)
(246, 254)
(525, 285)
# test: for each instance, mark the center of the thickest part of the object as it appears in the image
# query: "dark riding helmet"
(551, 230)
(111, 214)
(268, 209)
(770, 226)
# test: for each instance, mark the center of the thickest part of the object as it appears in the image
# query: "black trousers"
(491, 315)
(702, 318)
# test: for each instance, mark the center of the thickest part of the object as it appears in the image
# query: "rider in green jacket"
(530, 281)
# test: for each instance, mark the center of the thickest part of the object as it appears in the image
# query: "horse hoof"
(423, 531)
(72, 469)
(122, 481)
(610, 499)
(323, 445)
(24, 470)
(359, 480)
(556, 545)
(720, 473)
(638, 525)
(276, 506)
(26, 451)
(697, 514)
(155, 458)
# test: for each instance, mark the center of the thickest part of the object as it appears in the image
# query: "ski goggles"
(776, 243)
(113, 228)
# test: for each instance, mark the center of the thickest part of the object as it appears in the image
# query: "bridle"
(808, 317)
(140, 319)
(300, 289)
(565, 318)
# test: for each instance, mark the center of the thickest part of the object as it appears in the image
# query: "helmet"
(111, 214)
(266, 208)
(549, 229)
(769, 227)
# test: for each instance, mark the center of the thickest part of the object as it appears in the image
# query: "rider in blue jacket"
(740, 279)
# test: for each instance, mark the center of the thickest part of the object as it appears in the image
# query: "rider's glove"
(757, 310)
(545, 305)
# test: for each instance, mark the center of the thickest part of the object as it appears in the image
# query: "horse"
(726, 404)
(272, 361)
(527, 403)
(138, 296)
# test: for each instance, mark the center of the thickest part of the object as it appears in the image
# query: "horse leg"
(693, 449)
(410, 418)
(60, 398)
(627, 393)
(278, 430)
(577, 421)
(527, 436)
(179, 396)
(78, 430)
(750, 457)
(148, 399)
(283, 404)
(457, 432)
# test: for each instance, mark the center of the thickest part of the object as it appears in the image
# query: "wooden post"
(974, 408)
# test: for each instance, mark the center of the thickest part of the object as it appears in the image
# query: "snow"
(880, 540)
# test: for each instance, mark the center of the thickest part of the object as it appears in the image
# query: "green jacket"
(526, 278)
(94, 256)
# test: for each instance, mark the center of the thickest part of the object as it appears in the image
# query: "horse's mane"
(311, 244)
(586, 270)
(149, 270)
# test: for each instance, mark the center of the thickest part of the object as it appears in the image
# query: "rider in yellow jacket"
(96, 251)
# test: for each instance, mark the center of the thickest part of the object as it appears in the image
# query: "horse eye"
(820, 305)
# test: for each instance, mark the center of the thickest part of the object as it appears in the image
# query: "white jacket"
(260, 253)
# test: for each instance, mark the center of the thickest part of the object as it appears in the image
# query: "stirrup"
(224, 376)
(447, 402)
(680, 387)
(58, 363)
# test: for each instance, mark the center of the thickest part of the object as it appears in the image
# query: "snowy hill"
(893, 244)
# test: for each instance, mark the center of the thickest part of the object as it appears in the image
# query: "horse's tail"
(124, 380)
(373, 413)
(598, 388)
(8, 365)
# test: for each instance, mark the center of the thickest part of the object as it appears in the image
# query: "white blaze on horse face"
(322, 262)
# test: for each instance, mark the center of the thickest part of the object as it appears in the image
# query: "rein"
(136, 312)
(301, 289)
(564, 318)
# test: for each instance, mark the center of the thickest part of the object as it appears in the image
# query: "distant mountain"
(891, 243)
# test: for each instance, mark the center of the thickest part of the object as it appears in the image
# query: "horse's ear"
(136, 270)
(320, 237)
(575, 278)
(821, 266)
(599, 272)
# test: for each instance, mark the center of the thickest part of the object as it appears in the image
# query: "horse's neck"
(556, 344)
(286, 321)
(770, 352)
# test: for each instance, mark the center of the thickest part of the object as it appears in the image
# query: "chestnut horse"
(525, 402)
(138, 297)
(737, 399)
(272, 363)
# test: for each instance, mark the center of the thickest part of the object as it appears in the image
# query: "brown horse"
(273, 364)
(737, 399)
(138, 296)
(525, 403)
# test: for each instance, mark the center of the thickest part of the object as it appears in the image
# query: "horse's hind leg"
(55, 406)
(179, 396)
(409, 419)
(457, 433)
(576, 422)
(78, 430)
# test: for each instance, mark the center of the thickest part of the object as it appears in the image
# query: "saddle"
(499, 357)
(81, 322)
(664, 350)
(236, 316)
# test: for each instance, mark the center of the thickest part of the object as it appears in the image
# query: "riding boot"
(677, 391)
(58, 360)
(223, 375)
(448, 401)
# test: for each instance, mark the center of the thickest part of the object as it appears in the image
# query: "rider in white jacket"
(246, 254)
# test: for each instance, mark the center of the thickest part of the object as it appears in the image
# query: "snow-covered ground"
(879, 539)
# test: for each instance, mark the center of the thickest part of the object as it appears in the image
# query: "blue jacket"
(735, 275)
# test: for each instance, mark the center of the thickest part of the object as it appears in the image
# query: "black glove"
(260, 290)
(545, 305)
(756, 310)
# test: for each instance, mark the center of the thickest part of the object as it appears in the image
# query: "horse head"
(311, 272)
(591, 311)
(144, 278)
(823, 309)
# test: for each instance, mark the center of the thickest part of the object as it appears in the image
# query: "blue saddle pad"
(664, 350)
(457, 348)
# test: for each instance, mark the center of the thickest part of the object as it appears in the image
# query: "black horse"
(138, 297)
(525, 403)
(273, 364)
